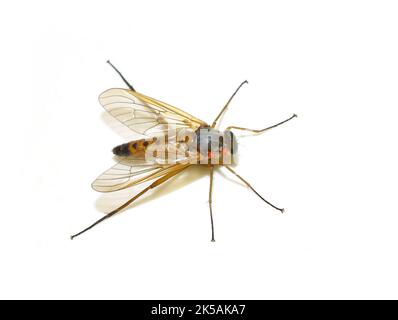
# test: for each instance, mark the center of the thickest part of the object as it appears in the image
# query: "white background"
(334, 63)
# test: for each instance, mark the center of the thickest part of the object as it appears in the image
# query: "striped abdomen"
(135, 148)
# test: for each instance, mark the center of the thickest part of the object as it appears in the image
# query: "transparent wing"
(145, 115)
(127, 173)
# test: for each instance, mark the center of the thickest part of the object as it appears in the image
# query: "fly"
(173, 141)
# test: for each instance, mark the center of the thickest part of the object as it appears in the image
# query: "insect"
(173, 141)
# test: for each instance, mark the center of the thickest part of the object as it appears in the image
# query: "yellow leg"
(210, 202)
(261, 130)
(226, 106)
(130, 201)
(248, 184)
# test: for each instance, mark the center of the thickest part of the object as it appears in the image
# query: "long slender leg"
(153, 185)
(248, 184)
(121, 76)
(210, 202)
(262, 130)
(226, 106)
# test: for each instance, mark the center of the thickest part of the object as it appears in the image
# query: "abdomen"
(134, 148)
